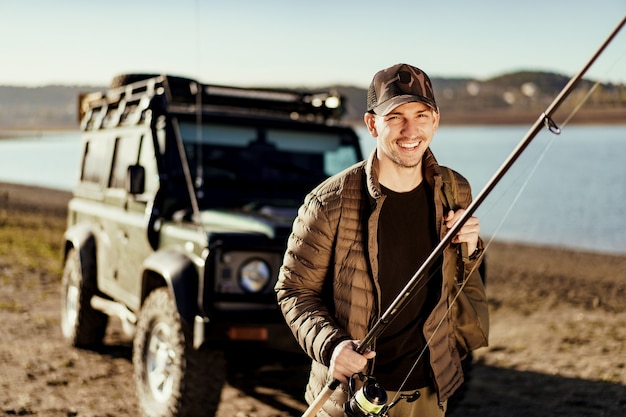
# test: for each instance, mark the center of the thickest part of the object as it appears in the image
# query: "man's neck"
(397, 178)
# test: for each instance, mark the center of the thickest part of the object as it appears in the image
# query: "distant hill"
(518, 97)
(48, 107)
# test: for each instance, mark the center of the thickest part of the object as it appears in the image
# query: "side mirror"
(135, 179)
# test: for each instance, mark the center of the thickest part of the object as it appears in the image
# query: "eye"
(393, 119)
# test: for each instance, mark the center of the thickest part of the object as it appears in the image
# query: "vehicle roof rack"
(128, 104)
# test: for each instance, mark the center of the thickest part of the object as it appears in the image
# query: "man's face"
(404, 134)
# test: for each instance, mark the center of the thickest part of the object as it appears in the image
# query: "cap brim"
(388, 106)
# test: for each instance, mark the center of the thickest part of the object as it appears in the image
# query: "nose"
(411, 127)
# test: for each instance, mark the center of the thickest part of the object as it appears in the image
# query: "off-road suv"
(186, 196)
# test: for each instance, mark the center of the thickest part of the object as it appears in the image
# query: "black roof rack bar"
(179, 91)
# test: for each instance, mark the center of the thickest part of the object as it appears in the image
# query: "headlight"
(254, 275)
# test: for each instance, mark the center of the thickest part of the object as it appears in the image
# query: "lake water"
(566, 190)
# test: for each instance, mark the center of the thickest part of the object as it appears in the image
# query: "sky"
(295, 43)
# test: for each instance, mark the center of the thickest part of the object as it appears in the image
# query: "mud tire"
(172, 378)
(81, 324)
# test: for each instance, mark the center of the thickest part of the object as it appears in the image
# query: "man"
(361, 235)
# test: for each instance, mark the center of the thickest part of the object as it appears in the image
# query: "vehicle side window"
(94, 160)
(126, 153)
(147, 159)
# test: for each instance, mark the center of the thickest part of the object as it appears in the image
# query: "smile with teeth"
(409, 145)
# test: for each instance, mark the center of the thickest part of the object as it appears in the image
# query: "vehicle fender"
(180, 273)
(82, 237)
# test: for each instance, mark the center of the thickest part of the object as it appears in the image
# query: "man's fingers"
(345, 361)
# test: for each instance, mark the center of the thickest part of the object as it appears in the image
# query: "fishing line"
(553, 128)
(423, 273)
(487, 245)
(556, 130)
(480, 259)
(592, 89)
(528, 175)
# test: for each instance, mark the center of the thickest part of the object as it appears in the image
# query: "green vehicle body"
(179, 220)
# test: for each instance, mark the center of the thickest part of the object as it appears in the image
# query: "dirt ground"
(557, 344)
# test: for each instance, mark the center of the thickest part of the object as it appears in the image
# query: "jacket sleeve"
(301, 287)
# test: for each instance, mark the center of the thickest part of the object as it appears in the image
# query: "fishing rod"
(400, 302)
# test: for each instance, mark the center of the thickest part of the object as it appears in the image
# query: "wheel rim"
(70, 310)
(160, 359)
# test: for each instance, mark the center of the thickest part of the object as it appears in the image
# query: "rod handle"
(322, 397)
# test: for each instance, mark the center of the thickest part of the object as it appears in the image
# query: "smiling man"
(358, 239)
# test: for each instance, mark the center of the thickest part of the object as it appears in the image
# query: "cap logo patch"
(404, 77)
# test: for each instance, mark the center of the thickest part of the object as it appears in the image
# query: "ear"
(370, 123)
(436, 117)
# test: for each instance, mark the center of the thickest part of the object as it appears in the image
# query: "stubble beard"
(407, 163)
(401, 164)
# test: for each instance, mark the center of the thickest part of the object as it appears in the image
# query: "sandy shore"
(557, 345)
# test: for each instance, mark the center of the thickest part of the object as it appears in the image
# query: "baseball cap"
(399, 84)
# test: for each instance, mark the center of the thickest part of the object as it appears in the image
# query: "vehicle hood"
(269, 221)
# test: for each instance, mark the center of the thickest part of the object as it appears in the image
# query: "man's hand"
(345, 361)
(468, 233)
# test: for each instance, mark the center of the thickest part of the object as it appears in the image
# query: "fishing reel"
(371, 399)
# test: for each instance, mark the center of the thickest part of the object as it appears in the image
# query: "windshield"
(246, 166)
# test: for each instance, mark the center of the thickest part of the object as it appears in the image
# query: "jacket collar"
(430, 167)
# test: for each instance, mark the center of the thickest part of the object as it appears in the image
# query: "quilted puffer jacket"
(328, 286)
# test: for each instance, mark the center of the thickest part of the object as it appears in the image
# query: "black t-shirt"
(406, 237)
